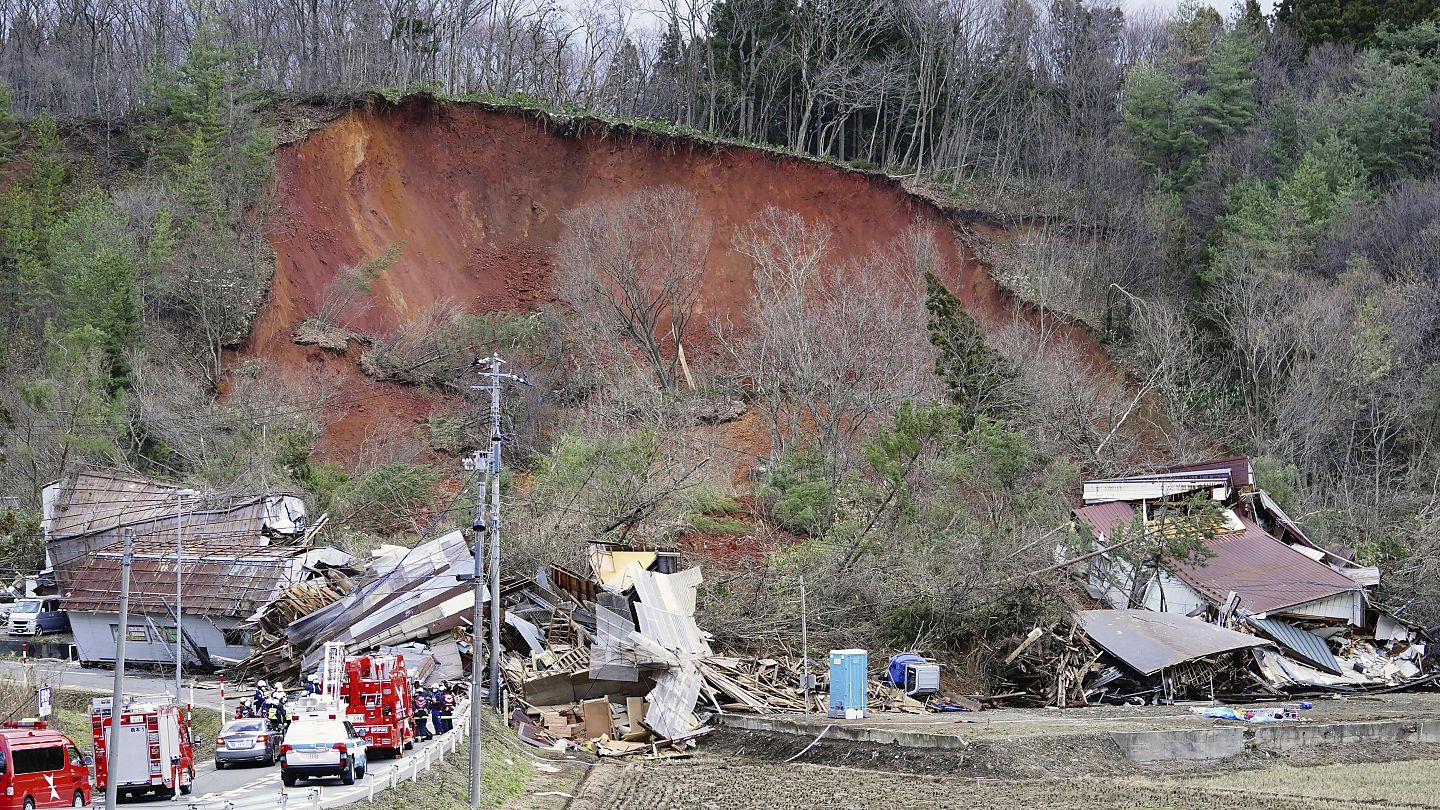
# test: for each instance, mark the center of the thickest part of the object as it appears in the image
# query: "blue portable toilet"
(849, 682)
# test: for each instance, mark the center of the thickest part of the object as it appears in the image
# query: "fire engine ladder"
(333, 673)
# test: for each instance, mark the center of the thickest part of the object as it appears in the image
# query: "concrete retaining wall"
(1218, 742)
(1180, 744)
(782, 725)
(1287, 737)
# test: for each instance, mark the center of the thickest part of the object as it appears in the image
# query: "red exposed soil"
(474, 193)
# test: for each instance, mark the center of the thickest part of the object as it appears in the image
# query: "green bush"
(384, 500)
(803, 495)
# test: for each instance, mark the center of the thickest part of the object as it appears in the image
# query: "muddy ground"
(739, 770)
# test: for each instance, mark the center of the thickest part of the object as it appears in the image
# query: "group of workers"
(268, 704)
(434, 709)
(434, 706)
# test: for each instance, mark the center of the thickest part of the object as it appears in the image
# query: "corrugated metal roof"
(86, 512)
(1241, 472)
(1298, 643)
(1102, 518)
(1266, 573)
(230, 581)
(1149, 642)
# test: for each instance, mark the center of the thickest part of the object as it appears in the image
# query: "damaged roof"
(1266, 573)
(1149, 642)
(1102, 518)
(219, 580)
(86, 512)
(1242, 473)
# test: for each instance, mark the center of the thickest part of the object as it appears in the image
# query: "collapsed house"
(1306, 615)
(238, 554)
(417, 602)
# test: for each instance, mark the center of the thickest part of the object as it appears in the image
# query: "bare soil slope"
(475, 195)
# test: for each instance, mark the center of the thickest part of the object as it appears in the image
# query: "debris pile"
(1259, 611)
(272, 651)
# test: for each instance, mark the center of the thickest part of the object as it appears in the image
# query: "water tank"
(849, 682)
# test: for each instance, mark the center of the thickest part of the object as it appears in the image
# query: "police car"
(322, 744)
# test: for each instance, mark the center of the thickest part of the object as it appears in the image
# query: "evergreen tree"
(1350, 21)
(1162, 124)
(94, 255)
(9, 125)
(977, 379)
(1228, 103)
(1386, 115)
(46, 178)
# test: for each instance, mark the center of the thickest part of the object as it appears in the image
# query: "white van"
(37, 615)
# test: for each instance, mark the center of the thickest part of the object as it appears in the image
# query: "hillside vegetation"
(1242, 211)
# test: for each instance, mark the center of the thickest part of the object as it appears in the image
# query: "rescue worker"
(258, 703)
(420, 702)
(312, 684)
(274, 714)
(437, 710)
(449, 715)
(242, 711)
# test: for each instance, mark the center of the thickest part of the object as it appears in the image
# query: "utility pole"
(117, 694)
(804, 645)
(491, 528)
(480, 462)
(180, 494)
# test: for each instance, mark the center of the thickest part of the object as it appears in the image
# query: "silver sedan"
(246, 740)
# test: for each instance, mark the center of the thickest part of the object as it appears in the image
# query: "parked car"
(248, 740)
(34, 616)
(40, 767)
(319, 746)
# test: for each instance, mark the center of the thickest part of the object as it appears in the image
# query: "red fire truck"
(376, 691)
(156, 753)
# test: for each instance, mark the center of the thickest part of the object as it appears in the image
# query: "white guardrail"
(316, 798)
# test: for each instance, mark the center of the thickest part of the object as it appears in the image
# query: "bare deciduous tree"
(831, 345)
(637, 262)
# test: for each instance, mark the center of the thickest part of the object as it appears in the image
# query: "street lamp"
(180, 494)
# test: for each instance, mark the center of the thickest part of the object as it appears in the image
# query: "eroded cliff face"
(474, 195)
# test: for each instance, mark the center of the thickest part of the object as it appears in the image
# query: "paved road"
(250, 783)
(212, 786)
(62, 674)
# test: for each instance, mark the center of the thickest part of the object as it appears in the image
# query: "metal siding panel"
(1149, 642)
(1302, 644)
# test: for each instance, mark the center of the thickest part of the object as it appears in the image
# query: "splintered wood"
(764, 686)
(1049, 667)
(274, 656)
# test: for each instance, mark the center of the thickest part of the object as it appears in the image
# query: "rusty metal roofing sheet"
(1267, 574)
(1148, 642)
(1102, 518)
(230, 581)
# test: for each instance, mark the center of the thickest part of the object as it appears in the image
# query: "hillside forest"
(1242, 208)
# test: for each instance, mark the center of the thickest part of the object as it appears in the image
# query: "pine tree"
(977, 379)
(1162, 124)
(197, 184)
(9, 125)
(1228, 103)
(1353, 22)
(46, 178)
